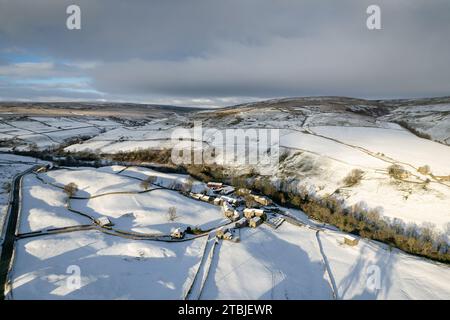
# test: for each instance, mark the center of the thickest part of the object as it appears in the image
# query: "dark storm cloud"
(222, 51)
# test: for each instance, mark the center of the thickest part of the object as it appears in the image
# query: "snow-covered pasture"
(290, 262)
(267, 264)
(324, 163)
(109, 267)
(45, 132)
(44, 207)
(115, 193)
(400, 145)
(287, 264)
(374, 271)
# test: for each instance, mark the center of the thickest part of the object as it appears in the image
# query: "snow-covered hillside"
(295, 261)
(399, 150)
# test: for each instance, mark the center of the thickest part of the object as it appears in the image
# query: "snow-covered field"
(116, 195)
(430, 119)
(268, 264)
(401, 276)
(46, 132)
(10, 165)
(109, 267)
(44, 207)
(290, 262)
(397, 144)
(322, 141)
(323, 161)
(287, 264)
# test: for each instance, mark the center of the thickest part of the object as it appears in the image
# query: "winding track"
(108, 230)
(327, 267)
(9, 232)
(198, 282)
(196, 288)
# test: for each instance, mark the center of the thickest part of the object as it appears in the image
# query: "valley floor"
(291, 262)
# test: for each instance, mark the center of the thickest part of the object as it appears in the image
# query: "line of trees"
(358, 219)
(369, 223)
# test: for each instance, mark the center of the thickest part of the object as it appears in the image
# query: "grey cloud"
(187, 51)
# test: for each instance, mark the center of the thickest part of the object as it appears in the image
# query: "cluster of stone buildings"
(234, 209)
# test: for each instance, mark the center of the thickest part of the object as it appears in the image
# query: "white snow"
(43, 207)
(283, 263)
(400, 145)
(109, 267)
(401, 276)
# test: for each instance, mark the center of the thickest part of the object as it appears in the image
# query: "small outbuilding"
(262, 200)
(253, 212)
(350, 240)
(214, 185)
(220, 232)
(241, 223)
(178, 233)
(196, 196)
(244, 191)
(230, 200)
(42, 169)
(226, 234)
(104, 222)
(205, 198)
(254, 222)
(236, 215)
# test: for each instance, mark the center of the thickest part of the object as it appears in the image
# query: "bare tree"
(71, 189)
(424, 169)
(398, 172)
(145, 184)
(172, 213)
(354, 177)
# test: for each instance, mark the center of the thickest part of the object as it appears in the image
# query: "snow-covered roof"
(227, 190)
(103, 221)
(178, 230)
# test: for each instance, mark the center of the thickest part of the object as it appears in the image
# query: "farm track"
(332, 281)
(83, 227)
(209, 262)
(201, 276)
(188, 293)
(9, 232)
(110, 230)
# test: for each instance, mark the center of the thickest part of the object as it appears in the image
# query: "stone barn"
(254, 222)
(350, 240)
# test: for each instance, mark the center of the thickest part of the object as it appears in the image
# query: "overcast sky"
(222, 52)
